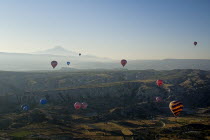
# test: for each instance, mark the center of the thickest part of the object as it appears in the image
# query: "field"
(81, 126)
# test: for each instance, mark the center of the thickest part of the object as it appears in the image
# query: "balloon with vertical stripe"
(176, 107)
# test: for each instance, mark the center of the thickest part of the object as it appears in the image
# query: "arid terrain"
(121, 105)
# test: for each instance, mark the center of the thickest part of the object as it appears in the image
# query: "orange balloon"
(176, 107)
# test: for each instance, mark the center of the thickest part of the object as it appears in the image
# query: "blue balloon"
(25, 107)
(22, 106)
(68, 63)
(43, 101)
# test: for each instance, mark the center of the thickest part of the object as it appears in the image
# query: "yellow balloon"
(176, 107)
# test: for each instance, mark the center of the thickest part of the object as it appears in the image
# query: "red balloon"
(123, 62)
(158, 99)
(84, 105)
(54, 64)
(159, 82)
(77, 105)
(195, 43)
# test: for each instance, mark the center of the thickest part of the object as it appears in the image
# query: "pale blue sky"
(131, 29)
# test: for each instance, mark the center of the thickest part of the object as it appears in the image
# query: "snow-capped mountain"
(57, 51)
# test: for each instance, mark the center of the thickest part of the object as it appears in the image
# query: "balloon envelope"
(77, 105)
(159, 82)
(68, 63)
(22, 106)
(123, 62)
(54, 64)
(195, 43)
(43, 101)
(25, 108)
(79, 54)
(176, 107)
(84, 105)
(158, 99)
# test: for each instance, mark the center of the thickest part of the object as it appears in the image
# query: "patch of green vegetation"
(182, 121)
(20, 134)
(101, 85)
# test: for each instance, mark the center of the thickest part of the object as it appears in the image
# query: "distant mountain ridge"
(41, 61)
(57, 51)
(60, 51)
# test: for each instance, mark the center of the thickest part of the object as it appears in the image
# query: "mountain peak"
(57, 50)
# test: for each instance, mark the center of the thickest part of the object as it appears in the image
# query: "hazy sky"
(131, 29)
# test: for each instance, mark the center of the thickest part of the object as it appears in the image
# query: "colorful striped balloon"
(176, 107)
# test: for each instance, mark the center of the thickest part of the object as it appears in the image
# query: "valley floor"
(89, 127)
(122, 105)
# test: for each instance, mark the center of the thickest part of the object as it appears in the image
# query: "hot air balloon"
(25, 108)
(123, 62)
(84, 105)
(195, 43)
(68, 63)
(159, 82)
(176, 107)
(22, 106)
(79, 54)
(77, 105)
(158, 99)
(43, 101)
(54, 64)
